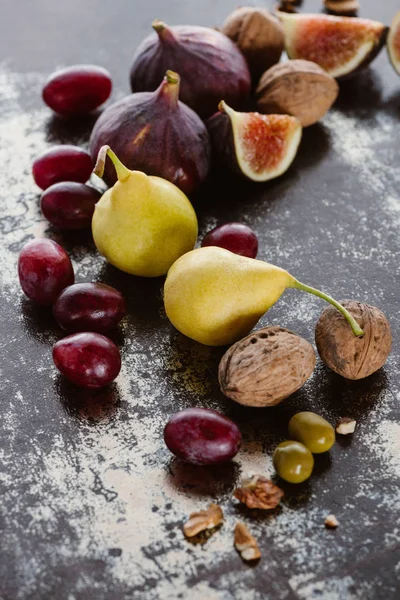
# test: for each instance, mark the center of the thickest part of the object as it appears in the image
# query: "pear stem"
(349, 318)
(122, 171)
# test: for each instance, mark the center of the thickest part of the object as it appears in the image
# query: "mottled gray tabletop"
(91, 502)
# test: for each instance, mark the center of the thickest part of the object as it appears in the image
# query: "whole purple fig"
(155, 133)
(211, 66)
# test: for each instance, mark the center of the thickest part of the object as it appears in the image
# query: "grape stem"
(121, 170)
(349, 318)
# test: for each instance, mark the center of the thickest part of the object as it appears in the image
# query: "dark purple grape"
(89, 307)
(62, 163)
(89, 360)
(202, 436)
(69, 205)
(44, 270)
(77, 90)
(236, 237)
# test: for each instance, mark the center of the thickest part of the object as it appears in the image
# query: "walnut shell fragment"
(342, 7)
(299, 88)
(348, 355)
(266, 367)
(259, 492)
(202, 520)
(245, 543)
(259, 36)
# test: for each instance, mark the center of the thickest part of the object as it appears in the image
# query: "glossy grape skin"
(236, 237)
(69, 205)
(44, 270)
(89, 307)
(77, 90)
(293, 462)
(313, 431)
(62, 163)
(89, 360)
(202, 437)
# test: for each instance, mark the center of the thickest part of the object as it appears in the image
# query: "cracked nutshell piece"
(342, 7)
(331, 522)
(350, 356)
(245, 543)
(345, 425)
(266, 367)
(259, 492)
(202, 520)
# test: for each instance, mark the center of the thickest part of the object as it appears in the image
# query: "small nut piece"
(342, 7)
(266, 367)
(331, 522)
(346, 354)
(245, 543)
(202, 520)
(299, 88)
(345, 425)
(258, 34)
(259, 492)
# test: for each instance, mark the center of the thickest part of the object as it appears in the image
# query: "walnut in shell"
(259, 492)
(299, 88)
(258, 34)
(342, 7)
(348, 355)
(266, 367)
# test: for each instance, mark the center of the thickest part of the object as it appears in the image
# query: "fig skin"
(305, 36)
(225, 150)
(350, 356)
(211, 66)
(155, 133)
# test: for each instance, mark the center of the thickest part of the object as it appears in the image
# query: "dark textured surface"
(91, 504)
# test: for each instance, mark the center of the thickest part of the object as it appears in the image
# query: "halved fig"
(340, 45)
(393, 43)
(260, 147)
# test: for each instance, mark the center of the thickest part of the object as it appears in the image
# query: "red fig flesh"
(340, 45)
(261, 147)
(211, 66)
(155, 133)
(393, 43)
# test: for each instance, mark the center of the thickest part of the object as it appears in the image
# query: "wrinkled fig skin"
(346, 354)
(210, 65)
(171, 141)
(222, 142)
(266, 367)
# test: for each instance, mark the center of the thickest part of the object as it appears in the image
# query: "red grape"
(69, 205)
(89, 307)
(89, 360)
(62, 163)
(44, 270)
(77, 90)
(236, 237)
(202, 436)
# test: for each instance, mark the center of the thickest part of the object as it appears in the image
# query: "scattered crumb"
(345, 425)
(331, 522)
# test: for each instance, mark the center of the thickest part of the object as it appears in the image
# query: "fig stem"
(122, 171)
(163, 31)
(349, 318)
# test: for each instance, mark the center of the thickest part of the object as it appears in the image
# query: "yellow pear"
(143, 223)
(216, 297)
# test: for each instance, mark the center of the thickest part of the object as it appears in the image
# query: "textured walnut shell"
(342, 7)
(266, 367)
(299, 88)
(346, 354)
(259, 36)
